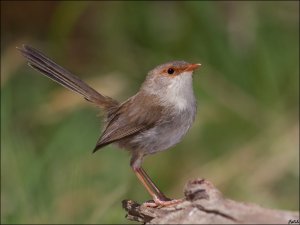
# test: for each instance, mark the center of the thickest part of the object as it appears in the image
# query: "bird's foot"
(158, 203)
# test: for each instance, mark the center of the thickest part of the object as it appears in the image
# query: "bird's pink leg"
(158, 197)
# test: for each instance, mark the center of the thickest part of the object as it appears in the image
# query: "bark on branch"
(204, 204)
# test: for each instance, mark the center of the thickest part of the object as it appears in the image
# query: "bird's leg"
(158, 197)
(155, 192)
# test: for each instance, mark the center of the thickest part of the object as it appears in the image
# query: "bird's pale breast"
(169, 131)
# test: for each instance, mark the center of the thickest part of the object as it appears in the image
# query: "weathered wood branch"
(204, 204)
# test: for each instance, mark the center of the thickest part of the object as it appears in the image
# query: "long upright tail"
(47, 67)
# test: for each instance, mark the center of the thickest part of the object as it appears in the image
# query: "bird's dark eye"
(170, 71)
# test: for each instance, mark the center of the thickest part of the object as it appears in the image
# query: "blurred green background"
(245, 138)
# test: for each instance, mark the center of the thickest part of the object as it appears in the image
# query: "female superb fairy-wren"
(153, 120)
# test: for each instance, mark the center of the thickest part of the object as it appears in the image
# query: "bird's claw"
(158, 203)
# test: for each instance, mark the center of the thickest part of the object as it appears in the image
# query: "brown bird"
(154, 119)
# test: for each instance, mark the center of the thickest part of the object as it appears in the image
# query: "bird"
(156, 118)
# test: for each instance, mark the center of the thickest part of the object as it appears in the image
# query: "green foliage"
(245, 138)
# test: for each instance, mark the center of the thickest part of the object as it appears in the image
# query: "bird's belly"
(164, 135)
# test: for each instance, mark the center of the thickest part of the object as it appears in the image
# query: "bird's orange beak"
(192, 67)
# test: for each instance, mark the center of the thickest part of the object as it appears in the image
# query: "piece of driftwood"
(204, 204)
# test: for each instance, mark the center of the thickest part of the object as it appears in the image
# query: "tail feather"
(47, 67)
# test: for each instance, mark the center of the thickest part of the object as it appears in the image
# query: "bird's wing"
(138, 114)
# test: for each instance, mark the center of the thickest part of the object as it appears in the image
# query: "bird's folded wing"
(138, 114)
